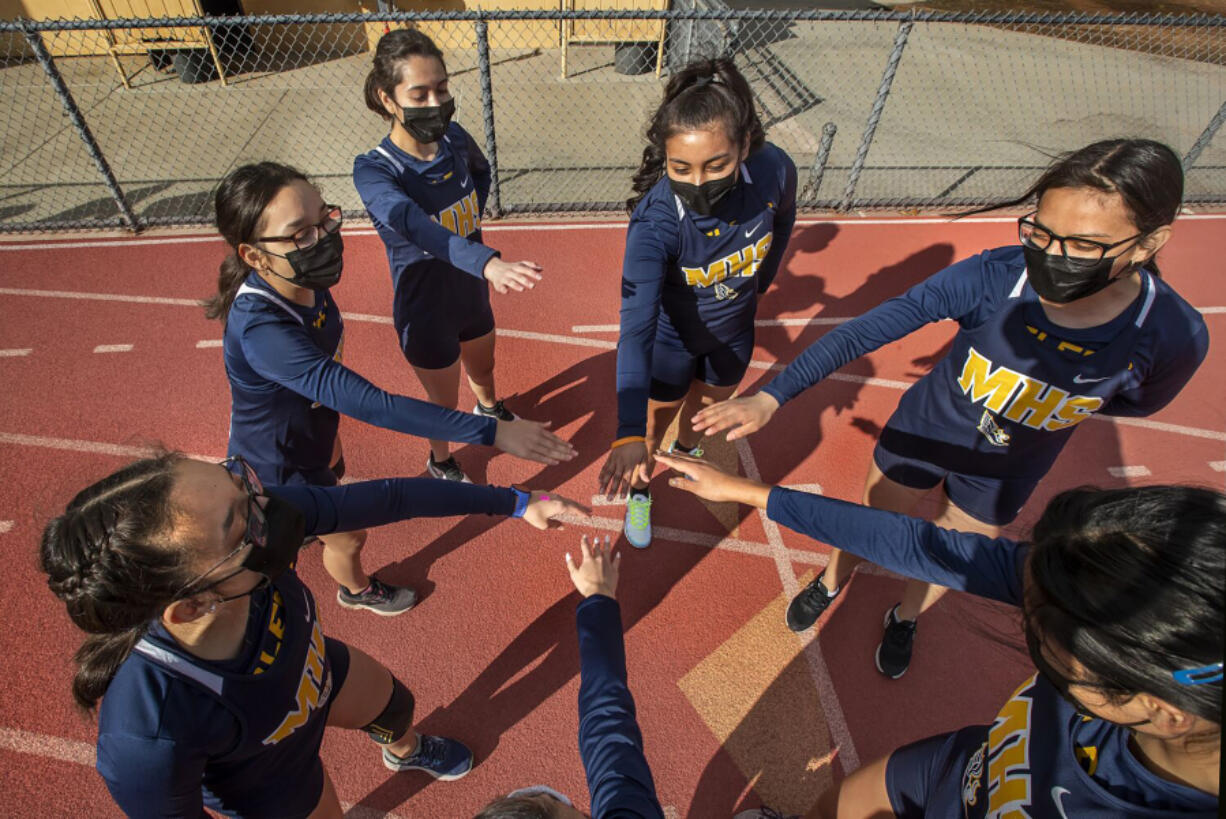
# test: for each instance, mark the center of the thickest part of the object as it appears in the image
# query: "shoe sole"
(877, 654)
(437, 776)
(347, 605)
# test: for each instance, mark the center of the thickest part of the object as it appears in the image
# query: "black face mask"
(1061, 280)
(319, 266)
(283, 531)
(703, 198)
(428, 123)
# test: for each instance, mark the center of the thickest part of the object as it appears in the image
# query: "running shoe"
(638, 518)
(696, 452)
(894, 653)
(447, 470)
(809, 604)
(379, 597)
(497, 411)
(444, 759)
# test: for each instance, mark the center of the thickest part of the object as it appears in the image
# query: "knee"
(396, 718)
(346, 543)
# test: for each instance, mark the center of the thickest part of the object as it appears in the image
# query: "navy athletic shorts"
(992, 500)
(929, 777)
(437, 307)
(674, 368)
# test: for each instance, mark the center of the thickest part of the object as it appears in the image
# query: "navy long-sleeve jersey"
(287, 386)
(176, 732)
(610, 743)
(1006, 398)
(1039, 758)
(427, 210)
(695, 280)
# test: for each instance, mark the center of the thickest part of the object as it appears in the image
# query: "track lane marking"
(205, 343)
(1129, 471)
(1218, 466)
(16, 352)
(6, 526)
(114, 348)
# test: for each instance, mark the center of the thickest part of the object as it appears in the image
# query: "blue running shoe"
(444, 759)
(638, 518)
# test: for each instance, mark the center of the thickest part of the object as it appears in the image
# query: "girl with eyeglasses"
(425, 186)
(713, 208)
(1072, 321)
(1122, 595)
(283, 346)
(215, 677)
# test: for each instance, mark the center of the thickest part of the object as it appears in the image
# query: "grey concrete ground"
(973, 113)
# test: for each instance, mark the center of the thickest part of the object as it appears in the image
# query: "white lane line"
(6, 526)
(205, 343)
(47, 746)
(16, 353)
(1129, 471)
(114, 348)
(72, 294)
(1144, 423)
(601, 500)
(836, 721)
(91, 447)
(1218, 466)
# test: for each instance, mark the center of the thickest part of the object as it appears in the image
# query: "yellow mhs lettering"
(1020, 398)
(743, 262)
(1009, 756)
(310, 688)
(463, 217)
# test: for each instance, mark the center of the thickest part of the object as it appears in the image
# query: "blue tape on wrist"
(522, 499)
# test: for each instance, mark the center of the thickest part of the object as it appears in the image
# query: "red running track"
(735, 709)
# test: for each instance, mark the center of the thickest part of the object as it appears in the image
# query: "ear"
(1169, 720)
(1148, 247)
(389, 104)
(250, 256)
(189, 610)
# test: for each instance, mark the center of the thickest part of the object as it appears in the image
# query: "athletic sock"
(684, 450)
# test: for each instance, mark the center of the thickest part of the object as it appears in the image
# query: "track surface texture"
(736, 710)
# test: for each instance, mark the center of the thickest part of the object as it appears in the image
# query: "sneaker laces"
(899, 632)
(377, 592)
(640, 512)
(430, 750)
(450, 469)
(816, 591)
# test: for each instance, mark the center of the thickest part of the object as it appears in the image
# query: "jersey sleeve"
(912, 547)
(785, 220)
(647, 258)
(366, 504)
(387, 202)
(610, 743)
(479, 167)
(1161, 387)
(954, 292)
(286, 354)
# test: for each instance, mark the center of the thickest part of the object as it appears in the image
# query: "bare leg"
(364, 695)
(342, 558)
(478, 358)
(862, 795)
(443, 388)
(880, 493)
(329, 806)
(700, 396)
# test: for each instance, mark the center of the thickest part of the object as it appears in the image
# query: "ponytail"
(703, 92)
(393, 49)
(103, 559)
(239, 211)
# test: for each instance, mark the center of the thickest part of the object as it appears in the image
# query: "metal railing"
(134, 122)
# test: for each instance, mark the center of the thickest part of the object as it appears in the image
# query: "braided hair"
(103, 559)
(703, 92)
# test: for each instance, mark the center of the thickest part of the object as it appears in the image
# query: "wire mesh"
(976, 106)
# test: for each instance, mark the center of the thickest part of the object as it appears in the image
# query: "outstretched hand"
(624, 466)
(597, 569)
(544, 507)
(532, 441)
(743, 416)
(712, 483)
(508, 276)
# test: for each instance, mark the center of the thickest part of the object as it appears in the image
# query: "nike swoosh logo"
(749, 233)
(464, 184)
(1079, 379)
(1057, 795)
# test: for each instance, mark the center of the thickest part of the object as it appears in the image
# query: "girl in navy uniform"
(1122, 594)
(1072, 322)
(713, 209)
(425, 187)
(283, 347)
(215, 676)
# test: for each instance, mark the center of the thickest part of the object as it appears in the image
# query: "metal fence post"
(35, 40)
(883, 92)
(1205, 138)
(819, 163)
(494, 203)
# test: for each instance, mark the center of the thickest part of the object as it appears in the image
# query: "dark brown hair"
(239, 209)
(393, 49)
(701, 93)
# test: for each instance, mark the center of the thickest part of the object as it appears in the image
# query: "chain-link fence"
(134, 122)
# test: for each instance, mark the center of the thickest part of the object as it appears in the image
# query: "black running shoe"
(807, 606)
(448, 470)
(379, 597)
(894, 653)
(497, 411)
